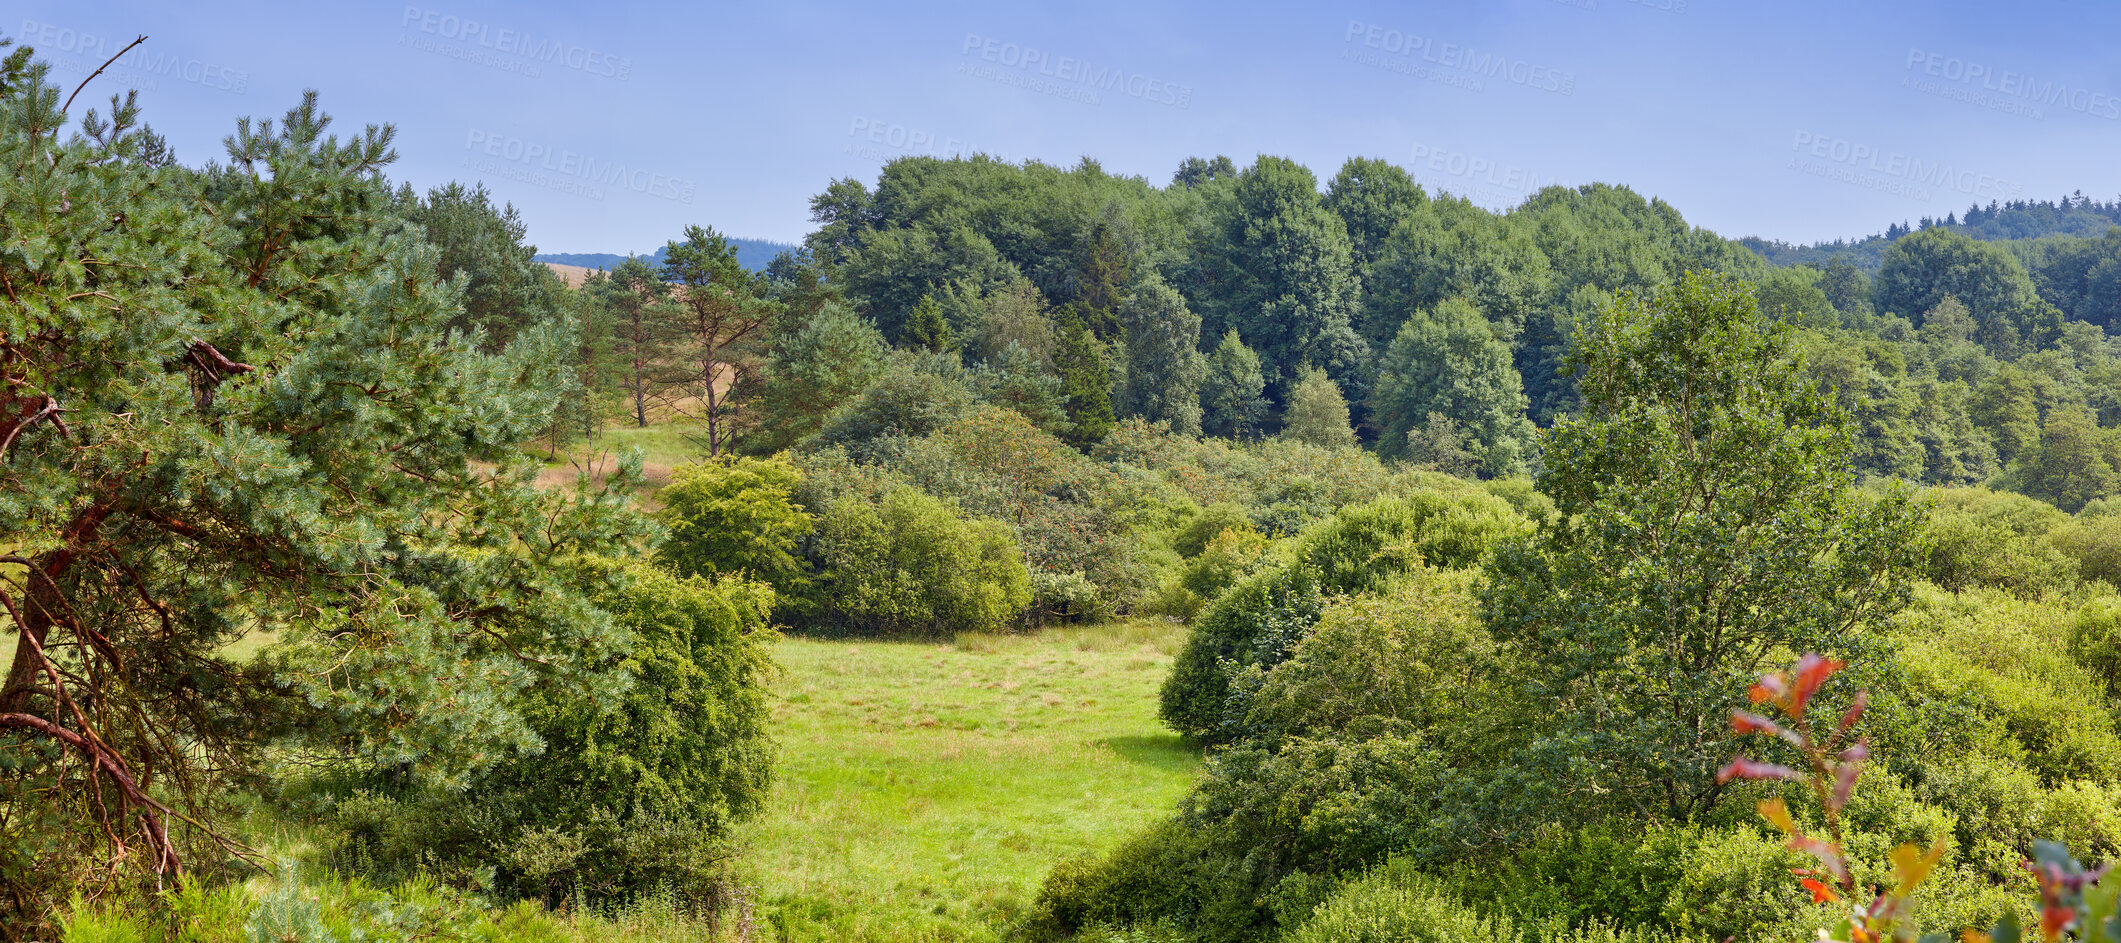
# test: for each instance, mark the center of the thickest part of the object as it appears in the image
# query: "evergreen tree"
(1086, 379)
(645, 325)
(811, 366)
(726, 315)
(1233, 393)
(234, 403)
(1448, 362)
(505, 289)
(927, 329)
(1317, 413)
(1164, 368)
(1018, 380)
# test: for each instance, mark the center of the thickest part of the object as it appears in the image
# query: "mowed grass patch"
(925, 790)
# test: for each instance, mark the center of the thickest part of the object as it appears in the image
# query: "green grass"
(924, 790)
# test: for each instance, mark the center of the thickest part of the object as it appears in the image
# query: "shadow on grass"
(1165, 751)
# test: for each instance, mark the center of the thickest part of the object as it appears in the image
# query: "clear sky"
(612, 124)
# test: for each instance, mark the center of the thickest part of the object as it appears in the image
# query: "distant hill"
(573, 275)
(753, 254)
(2073, 215)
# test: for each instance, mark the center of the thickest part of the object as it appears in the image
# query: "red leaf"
(1821, 894)
(1845, 773)
(1742, 768)
(1828, 854)
(2054, 919)
(1743, 722)
(1812, 671)
(1855, 711)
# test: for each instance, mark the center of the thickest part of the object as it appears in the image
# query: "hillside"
(2019, 220)
(753, 254)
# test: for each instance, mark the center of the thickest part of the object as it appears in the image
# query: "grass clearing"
(925, 789)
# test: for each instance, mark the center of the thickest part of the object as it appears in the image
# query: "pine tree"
(811, 366)
(231, 402)
(726, 315)
(1233, 393)
(1086, 379)
(645, 328)
(927, 329)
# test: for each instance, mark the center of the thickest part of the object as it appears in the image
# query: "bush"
(1064, 510)
(905, 563)
(1414, 658)
(1206, 524)
(911, 399)
(1165, 871)
(1995, 540)
(2095, 642)
(626, 797)
(1397, 903)
(1259, 616)
(1263, 616)
(1227, 558)
(736, 516)
(2094, 542)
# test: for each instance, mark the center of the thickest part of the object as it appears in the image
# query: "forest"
(1426, 572)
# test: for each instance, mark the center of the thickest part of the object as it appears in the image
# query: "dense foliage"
(1480, 525)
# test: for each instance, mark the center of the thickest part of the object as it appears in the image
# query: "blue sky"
(612, 125)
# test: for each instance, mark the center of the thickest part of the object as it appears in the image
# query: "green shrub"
(905, 563)
(2095, 642)
(627, 797)
(914, 397)
(1164, 872)
(1986, 674)
(2094, 542)
(1228, 557)
(1397, 903)
(1995, 540)
(1360, 547)
(735, 516)
(1269, 610)
(1261, 618)
(1065, 512)
(1413, 658)
(1205, 525)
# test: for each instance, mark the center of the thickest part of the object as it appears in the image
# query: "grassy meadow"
(925, 789)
